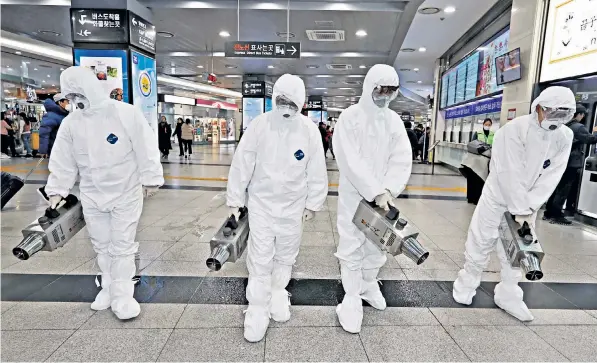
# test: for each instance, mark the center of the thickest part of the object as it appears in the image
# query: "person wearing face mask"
(280, 163)
(111, 148)
(528, 159)
(485, 135)
(374, 157)
(178, 133)
(50, 122)
(164, 132)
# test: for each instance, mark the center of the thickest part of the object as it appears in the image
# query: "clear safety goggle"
(78, 100)
(385, 90)
(560, 113)
(283, 101)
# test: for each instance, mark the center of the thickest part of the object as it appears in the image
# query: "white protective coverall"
(374, 155)
(280, 162)
(112, 148)
(526, 165)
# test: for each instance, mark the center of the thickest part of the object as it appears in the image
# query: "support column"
(525, 33)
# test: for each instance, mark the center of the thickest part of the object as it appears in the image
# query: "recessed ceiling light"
(422, 49)
(44, 81)
(60, 68)
(321, 88)
(344, 88)
(164, 34)
(407, 50)
(419, 81)
(325, 93)
(53, 85)
(17, 52)
(514, 10)
(230, 66)
(48, 76)
(285, 34)
(271, 67)
(224, 34)
(323, 76)
(449, 9)
(361, 33)
(49, 32)
(42, 88)
(362, 66)
(312, 66)
(429, 11)
(416, 69)
(27, 62)
(35, 69)
(199, 66)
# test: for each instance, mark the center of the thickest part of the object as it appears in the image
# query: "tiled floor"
(191, 314)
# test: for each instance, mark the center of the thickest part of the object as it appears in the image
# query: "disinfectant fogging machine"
(389, 232)
(522, 250)
(230, 241)
(54, 229)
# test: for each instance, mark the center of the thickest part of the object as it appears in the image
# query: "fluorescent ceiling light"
(419, 82)
(450, 9)
(17, 52)
(308, 54)
(361, 33)
(422, 49)
(224, 34)
(37, 48)
(321, 88)
(355, 76)
(232, 76)
(60, 68)
(198, 86)
(344, 88)
(219, 54)
(416, 69)
(199, 66)
(179, 100)
(323, 76)
(271, 67)
(362, 66)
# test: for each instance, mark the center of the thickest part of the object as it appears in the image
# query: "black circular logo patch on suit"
(546, 164)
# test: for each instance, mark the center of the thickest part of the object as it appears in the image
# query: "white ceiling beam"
(322, 5)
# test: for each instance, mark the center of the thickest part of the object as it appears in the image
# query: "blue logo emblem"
(546, 164)
(299, 154)
(112, 139)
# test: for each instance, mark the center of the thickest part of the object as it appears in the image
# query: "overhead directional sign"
(253, 88)
(142, 33)
(99, 25)
(250, 49)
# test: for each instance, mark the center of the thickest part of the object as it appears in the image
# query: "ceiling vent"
(429, 10)
(326, 35)
(339, 67)
(285, 34)
(353, 83)
(407, 50)
(404, 69)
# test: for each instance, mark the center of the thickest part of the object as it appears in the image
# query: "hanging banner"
(489, 105)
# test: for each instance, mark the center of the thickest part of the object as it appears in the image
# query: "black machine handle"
(524, 232)
(232, 223)
(392, 215)
(70, 201)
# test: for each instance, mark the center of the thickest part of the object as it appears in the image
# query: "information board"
(99, 26)
(254, 49)
(472, 73)
(142, 33)
(451, 88)
(460, 81)
(496, 47)
(444, 92)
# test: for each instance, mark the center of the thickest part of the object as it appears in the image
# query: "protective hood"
(554, 97)
(292, 87)
(378, 75)
(82, 80)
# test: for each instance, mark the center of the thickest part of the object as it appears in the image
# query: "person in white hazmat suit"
(112, 148)
(375, 160)
(280, 161)
(529, 156)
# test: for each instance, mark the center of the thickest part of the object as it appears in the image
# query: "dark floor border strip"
(319, 292)
(331, 193)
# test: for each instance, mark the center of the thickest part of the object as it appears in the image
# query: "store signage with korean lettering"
(252, 49)
(99, 25)
(482, 107)
(254, 88)
(142, 33)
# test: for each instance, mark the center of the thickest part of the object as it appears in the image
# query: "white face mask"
(553, 118)
(287, 112)
(486, 128)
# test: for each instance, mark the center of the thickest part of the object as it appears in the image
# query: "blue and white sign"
(145, 90)
(478, 108)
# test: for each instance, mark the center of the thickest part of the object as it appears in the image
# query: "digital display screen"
(451, 88)
(508, 67)
(252, 107)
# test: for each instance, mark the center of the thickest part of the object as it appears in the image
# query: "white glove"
(307, 215)
(55, 201)
(383, 200)
(149, 191)
(530, 219)
(234, 211)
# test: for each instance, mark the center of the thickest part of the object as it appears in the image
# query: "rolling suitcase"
(11, 184)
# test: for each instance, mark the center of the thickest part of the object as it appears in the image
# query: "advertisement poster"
(145, 90)
(487, 76)
(252, 107)
(315, 116)
(570, 39)
(110, 67)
